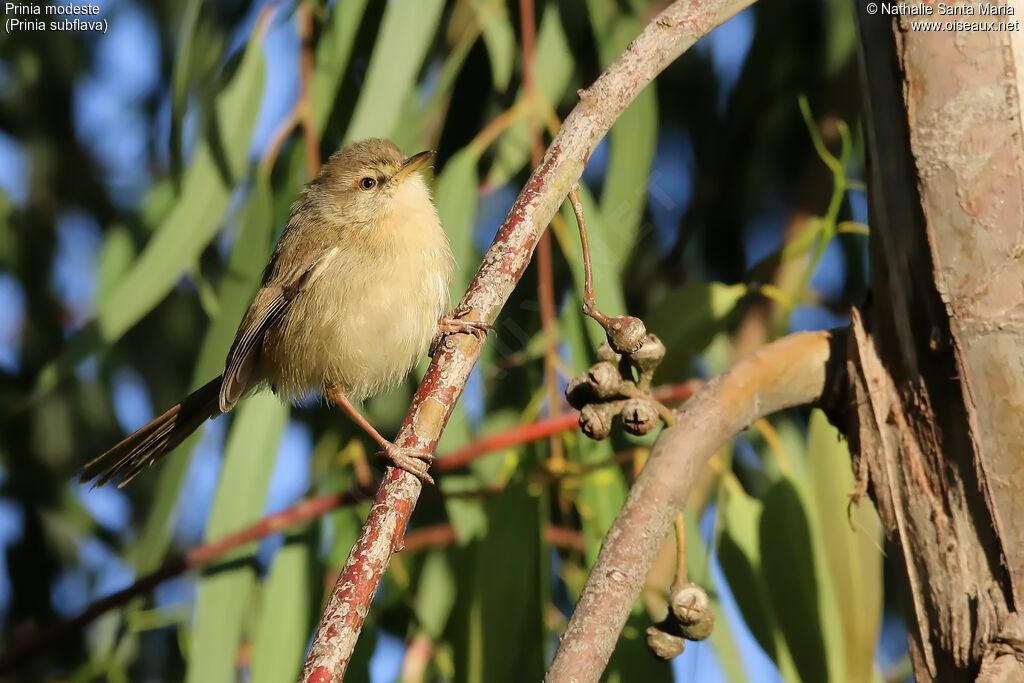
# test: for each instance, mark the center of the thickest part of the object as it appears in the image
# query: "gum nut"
(604, 379)
(595, 421)
(579, 392)
(605, 353)
(648, 356)
(639, 416)
(626, 334)
(692, 610)
(664, 645)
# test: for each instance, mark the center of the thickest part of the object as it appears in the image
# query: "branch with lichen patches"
(675, 29)
(790, 372)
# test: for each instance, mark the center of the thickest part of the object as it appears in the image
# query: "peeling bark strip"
(936, 367)
(665, 38)
(792, 371)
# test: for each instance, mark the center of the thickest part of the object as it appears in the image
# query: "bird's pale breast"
(367, 320)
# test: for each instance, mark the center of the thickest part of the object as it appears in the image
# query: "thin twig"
(498, 125)
(542, 429)
(673, 31)
(681, 578)
(197, 557)
(443, 534)
(589, 304)
(277, 137)
(792, 371)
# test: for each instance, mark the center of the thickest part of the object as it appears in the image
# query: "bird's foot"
(416, 463)
(456, 324)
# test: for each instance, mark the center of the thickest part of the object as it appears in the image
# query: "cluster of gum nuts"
(618, 386)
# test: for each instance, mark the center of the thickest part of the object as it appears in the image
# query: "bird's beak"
(411, 164)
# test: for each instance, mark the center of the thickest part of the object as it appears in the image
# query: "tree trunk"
(936, 364)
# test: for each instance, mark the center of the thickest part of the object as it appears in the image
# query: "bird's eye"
(368, 183)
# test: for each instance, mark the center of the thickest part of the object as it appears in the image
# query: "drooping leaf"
(225, 589)
(740, 559)
(499, 634)
(790, 579)
(286, 612)
(631, 140)
(185, 231)
(180, 80)
(554, 68)
(406, 31)
(500, 39)
(194, 221)
(435, 593)
(687, 317)
(850, 546)
(455, 197)
(248, 256)
(333, 52)
(116, 257)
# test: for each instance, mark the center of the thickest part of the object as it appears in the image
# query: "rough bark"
(937, 363)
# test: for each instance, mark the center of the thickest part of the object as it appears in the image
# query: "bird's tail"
(150, 443)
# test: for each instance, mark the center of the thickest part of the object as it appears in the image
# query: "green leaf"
(500, 39)
(435, 594)
(193, 222)
(851, 548)
(115, 259)
(333, 51)
(633, 137)
(406, 32)
(185, 232)
(741, 564)
(468, 514)
(500, 633)
(788, 568)
(249, 254)
(602, 15)
(286, 612)
(180, 79)
(225, 590)
(687, 317)
(722, 638)
(455, 197)
(632, 141)
(555, 66)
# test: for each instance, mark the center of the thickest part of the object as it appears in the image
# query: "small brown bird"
(352, 297)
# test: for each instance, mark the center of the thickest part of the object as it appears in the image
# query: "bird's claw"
(416, 463)
(455, 324)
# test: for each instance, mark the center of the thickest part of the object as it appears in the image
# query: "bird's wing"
(267, 309)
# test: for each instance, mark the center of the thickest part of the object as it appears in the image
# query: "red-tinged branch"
(665, 38)
(790, 372)
(197, 557)
(443, 534)
(541, 429)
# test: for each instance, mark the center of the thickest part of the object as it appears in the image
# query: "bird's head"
(365, 181)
